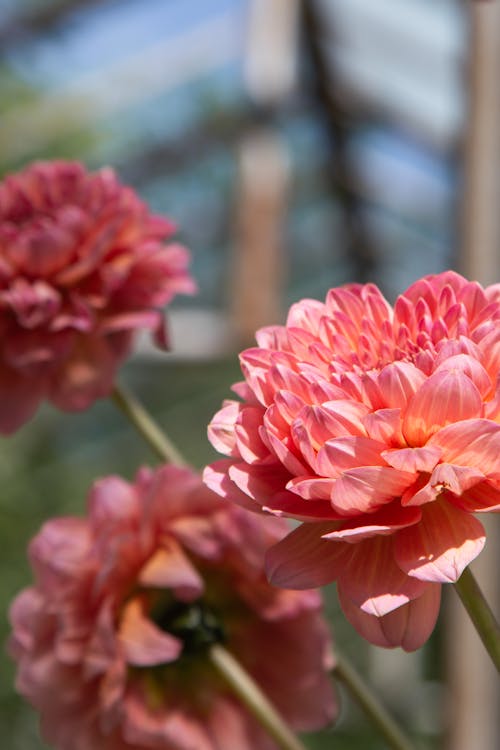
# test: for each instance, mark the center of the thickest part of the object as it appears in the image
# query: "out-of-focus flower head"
(111, 640)
(83, 265)
(379, 428)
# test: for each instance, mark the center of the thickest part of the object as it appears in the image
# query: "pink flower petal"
(272, 337)
(23, 611)
(130, 321)
(385, 426)
(171, 490)
(481, 498)
(32, 304)
(473, 442)
(443, 398)
(170, 568)
(367, 488)
(281, 445)
(306, 314)
(179, 729)
(199, 536)
(343, 453)
(373, 580)
(59, 550)
(303, 443)
(31, 353)
(312, 488)
(332, 419)
(303, 560)
(259, 482)
(43, 248)
(228, 728)
(413, 459)
(408, 626)
(398, 382)
(441, 545)
(88, 373)
(469, 366)
(144, 643)
(288, 505)
(289, 405)
(102, 649)
(19, 398)
(112, 501)
(386, 521)
(216, 477)
(248, 440)
(221, 429)
(445, 478)
(255, 364)
(489, 346)
(307, 696)
(284, 377)
(492, 406)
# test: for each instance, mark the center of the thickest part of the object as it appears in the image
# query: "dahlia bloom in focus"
(111, 641)
(379, 428)
(82, 266)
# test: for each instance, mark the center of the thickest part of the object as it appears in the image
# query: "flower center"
(194, 623)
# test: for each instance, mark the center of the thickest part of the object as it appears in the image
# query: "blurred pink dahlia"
(82, 266)
(379, 428)
(111, 641)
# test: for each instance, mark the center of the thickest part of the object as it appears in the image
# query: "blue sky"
(88, 40)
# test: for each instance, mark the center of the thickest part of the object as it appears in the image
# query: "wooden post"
(259, 261)
(480, 250)
(257, 273)
(474, 695)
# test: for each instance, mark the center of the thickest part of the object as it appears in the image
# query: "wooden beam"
(474, 695)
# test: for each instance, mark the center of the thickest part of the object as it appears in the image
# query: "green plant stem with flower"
(228, 667)
(480, 613)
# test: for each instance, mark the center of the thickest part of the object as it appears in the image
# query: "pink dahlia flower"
(111, 641)
(83, 265)
(379, 428)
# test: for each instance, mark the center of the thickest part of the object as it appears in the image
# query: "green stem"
(480, 613)
(370, 704)
(253, 698)
(142, 421)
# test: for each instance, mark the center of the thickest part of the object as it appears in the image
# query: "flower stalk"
(371, 706)
(253, 698)
(146, 426)
(480, 613)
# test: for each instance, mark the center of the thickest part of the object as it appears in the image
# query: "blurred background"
(298, 145)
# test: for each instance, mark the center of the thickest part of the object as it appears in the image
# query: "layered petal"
(441, 546)
(374, 581)
(384, 522)
(19, 399)
(170, 568)
(473, 442)
(303, 559)
(443, 399)
(143, 642)
(409, 626)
